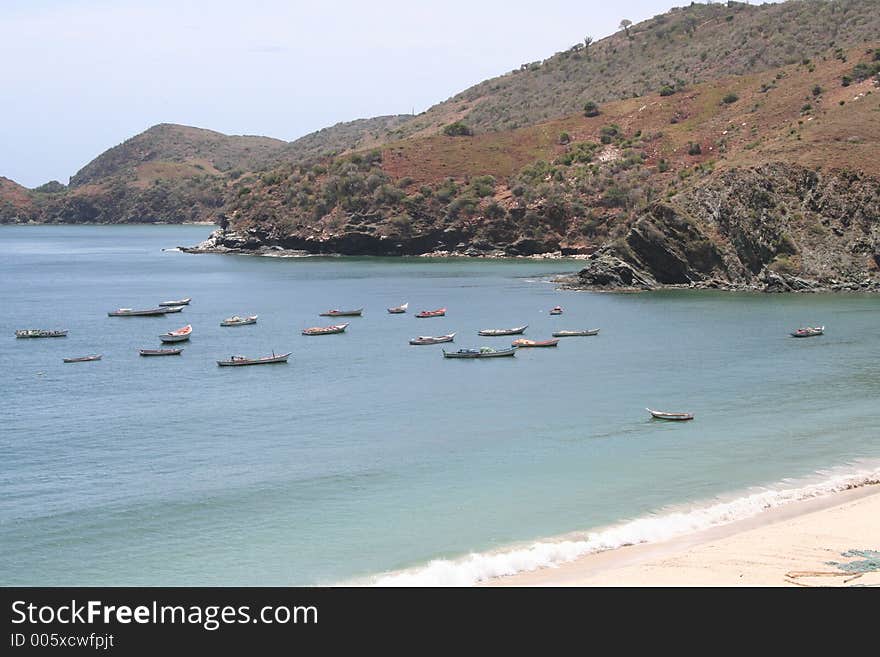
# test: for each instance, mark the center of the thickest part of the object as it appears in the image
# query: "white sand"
(761, 551)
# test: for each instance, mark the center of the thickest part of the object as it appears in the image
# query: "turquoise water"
(365, 455)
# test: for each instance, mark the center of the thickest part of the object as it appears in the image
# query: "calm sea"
(365, 459)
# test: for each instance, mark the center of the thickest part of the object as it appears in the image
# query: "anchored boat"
(556, 310)
(494, 333)
(236, 361)
(128, 312)
(83, 359)
(573, 334)
(40, 333)
(160, 352)
(179, 302)
(343, 313)
(325, 330)
(398, 309)
(179, 335)
(483, 352)
(662, 415)
(427, 339)
(534, 343)
(235, 320)
(808, 332)
(440, 312)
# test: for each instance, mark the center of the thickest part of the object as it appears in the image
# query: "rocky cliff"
(775, 227)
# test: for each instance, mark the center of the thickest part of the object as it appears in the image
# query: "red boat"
(440, 312)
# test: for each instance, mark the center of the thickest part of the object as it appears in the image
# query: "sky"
(80, 76)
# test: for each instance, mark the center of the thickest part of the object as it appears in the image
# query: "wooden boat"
(160, 352)
(179, 335)
(179, 302)
(573, 334)
(557, 310)
(173, 309)
(494, 333)
(237, 361)
(661, 415)
(427, 339)
(343, 313)
(325, 330)
(40, 333)
(534, 343)
(128, 312)
(482, 352)
(398, 309)
(808, 332)
(235, 320)
(440, 312)
(83, 359)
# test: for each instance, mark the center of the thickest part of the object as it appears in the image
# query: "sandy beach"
(786, 546)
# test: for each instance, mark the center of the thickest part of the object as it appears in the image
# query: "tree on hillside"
(587, 41)
(624, 25)
(591, 109)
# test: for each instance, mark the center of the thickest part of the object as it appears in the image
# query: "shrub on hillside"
(591, 109)
(730, 98)
(457, 129)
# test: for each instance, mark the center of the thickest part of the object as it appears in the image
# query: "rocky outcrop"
(775, 227)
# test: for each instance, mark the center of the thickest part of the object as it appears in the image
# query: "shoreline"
(787, 545)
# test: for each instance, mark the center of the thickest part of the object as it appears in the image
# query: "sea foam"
(663, 525)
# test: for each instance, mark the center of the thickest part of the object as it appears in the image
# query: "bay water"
(365, 459)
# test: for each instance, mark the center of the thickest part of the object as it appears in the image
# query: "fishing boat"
(556, 310)
(179, 335)
(397, 310)
(325, 330)
(83, 359)
(236, 361)
(40, 333)
(173, 309)
(440, 312)
(494, 333)
(428, 339)
(482, 352)
(128, 312)
(343, 313)
(179, 302)
(160, 352)
(662, 415)
(808, 332)
(573, 334)
(235, 320)
(534, 343)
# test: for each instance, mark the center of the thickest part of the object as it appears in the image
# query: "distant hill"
(676, 49)
(343, 137)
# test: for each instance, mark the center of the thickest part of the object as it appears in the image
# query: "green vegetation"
(457, 129)
(591, 109)
(730, 98)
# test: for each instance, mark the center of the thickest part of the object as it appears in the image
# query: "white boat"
(179, 335)
(235, 320)
(519, 330)
(573, 334)
(179, 302)
(662, 415)
(431, 339)
(397, 310)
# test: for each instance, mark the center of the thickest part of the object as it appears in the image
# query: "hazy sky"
(79, 76)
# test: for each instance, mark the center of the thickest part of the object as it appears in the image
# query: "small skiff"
(160, 352)
(535, 343)
(494, 333)
(343, 313)
(662, 415)
(572, 334)
(440, 312)
(556, 311)
(428, 339)
(179, 302)
(483, 352)
(235, 320)
(397, 310)
(128, 312)
(325, 330)
(237, 361)
(83, 359)
(40, 333)
(808, 332)
(179, 335)
(173, 309)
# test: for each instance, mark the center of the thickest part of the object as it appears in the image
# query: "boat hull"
(670, 417)
(83, 359)
(343, 313)
(252, 319)
(474, 354)
(242, 362)
(174, 338)
(161, 352)
(151, 312)
(181, 302)
(325, 330)
(497, 333)
(526, 344)
(423, 340)
(575, 334)
(425, 314)
(40, 333)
